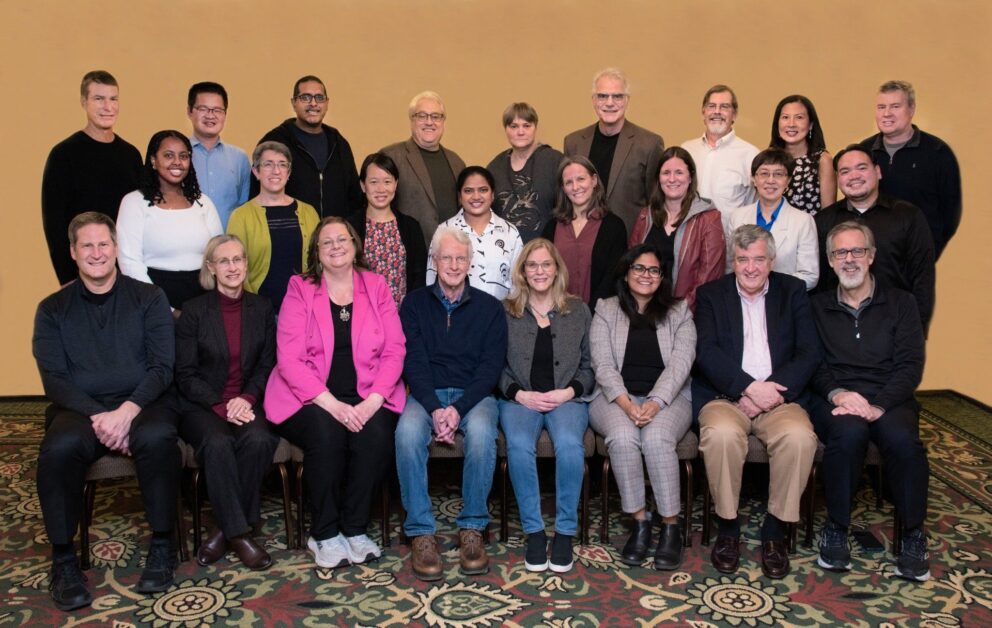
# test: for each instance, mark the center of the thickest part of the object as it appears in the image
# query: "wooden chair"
(296, 455)
(279, 460)
(545, 449)
(687, 450)
(110, 467)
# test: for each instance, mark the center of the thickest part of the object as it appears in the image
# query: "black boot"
(668, 554)
(636, 548)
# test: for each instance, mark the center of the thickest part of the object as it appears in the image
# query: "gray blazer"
(570, 343)
(634, 171)
(676, 339)
(415, 192)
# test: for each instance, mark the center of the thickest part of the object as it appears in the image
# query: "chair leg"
(689, 498)
(181, 531)
(384, 524)
(811, 504)
(504, 516)
(584, 505)
(604, 526)
(286, 510)
(707, 505)
(89, 490)
(197, 509)
(300, 514)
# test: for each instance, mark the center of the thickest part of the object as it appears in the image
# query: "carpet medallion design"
(599, 591)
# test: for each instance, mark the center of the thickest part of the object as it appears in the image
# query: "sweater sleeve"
(53, 366)
(131, 236)
(160, 350)
(907, 358)
(949, 190)
(416, 365)
(491, 362)
(921, 271)
(56, 212)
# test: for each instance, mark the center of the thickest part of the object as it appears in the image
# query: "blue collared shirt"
(224, 175)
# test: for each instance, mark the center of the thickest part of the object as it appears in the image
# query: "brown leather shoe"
(774, 559)
(213, 549)
(426, 560)
(726, 554)
(251, 553)
(472, 553)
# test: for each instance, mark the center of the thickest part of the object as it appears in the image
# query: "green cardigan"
(248, 222)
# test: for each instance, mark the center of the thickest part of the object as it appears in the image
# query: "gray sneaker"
(329, 553)
(361, 549)
(914, 561)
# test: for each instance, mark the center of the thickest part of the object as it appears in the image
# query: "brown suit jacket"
(635, 166)
(415, 194)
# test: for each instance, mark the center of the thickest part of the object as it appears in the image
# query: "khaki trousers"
(787, 434)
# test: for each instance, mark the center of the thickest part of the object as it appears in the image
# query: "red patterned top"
(386, 255)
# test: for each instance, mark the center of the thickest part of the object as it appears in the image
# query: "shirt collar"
(754, 299)
(195, 141)
(726, 139)
(864, 302)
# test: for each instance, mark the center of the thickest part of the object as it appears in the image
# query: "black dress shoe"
(68, 584)
(213, 549)
(160, 567)
(774, 559)
(668, 554)
(636, 548)
(251, 553)
(726, 554)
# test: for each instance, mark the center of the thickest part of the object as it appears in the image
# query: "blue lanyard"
(767, 226)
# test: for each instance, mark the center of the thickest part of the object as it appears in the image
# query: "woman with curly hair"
(163, 227)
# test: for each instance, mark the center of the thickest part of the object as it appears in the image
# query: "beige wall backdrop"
(374, 55)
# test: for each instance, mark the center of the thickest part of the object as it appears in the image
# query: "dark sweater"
(338, 193)
(92, 358)
(879, 355)
(923, 172)
(609, 247)
(526, 198)
(466, 349)
(904, 257)
(83, 175)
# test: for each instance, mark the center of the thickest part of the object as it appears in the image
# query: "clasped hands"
(353, 417)
(112, 428)
(639, 414)
(445, 423)
(239, 411)
(543, 402)
(761, 397)
(849, 402)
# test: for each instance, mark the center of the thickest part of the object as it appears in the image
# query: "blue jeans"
(566, 425)
(413, 435)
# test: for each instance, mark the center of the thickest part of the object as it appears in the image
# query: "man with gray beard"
(873, 356)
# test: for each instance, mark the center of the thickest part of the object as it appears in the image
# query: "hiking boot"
(472, 553)
(426, 560)
(835, 551)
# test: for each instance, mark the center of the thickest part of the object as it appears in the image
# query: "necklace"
(538, 314)
(344, 314)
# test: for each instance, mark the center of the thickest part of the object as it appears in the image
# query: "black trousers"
(897, 436)
(234, 459)
(70, 446)
(342, 469)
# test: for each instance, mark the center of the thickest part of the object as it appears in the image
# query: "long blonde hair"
(516, 303)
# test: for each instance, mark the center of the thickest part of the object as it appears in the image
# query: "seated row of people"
(341, 352)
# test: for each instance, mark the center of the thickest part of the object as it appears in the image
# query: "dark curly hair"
(149, 184)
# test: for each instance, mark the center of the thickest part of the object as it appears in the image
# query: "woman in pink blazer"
(336, 390)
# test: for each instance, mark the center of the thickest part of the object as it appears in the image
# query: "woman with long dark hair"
(163, 227)
(643, 344)
(796, 129)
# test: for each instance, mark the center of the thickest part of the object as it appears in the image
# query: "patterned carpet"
(599, 591)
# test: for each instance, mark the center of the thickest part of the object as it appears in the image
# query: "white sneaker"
(361, 549)
(329, 553)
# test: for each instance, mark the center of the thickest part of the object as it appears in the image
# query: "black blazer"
(412, 237)
(792, 340)
(202, 354)
(609, 247)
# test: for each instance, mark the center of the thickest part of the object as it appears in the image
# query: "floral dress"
(804, 189)
(386, 255)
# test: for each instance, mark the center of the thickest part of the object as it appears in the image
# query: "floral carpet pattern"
(599, 591)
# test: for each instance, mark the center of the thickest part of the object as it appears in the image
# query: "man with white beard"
(873, 356)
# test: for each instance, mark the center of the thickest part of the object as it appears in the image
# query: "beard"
(851, 282)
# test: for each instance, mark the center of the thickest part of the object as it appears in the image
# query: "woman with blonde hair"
(225, 350)
(548, 371)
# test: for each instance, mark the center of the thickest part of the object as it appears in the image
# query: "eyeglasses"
(423, 116)
(309, 98)
(450, 260)
(273, 165)
(857, 253)
(532, 267)
(332, 243)
(229, 261)
(602, 97)
(723, 106)
(762, 175)
(204, 110)
(641, 269)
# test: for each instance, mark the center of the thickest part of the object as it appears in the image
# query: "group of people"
(364, 313)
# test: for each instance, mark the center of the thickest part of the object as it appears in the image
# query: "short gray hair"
(900, 86)
(277, 147)
(455, 234)
(746, 235)
(850, 225)
(613, 73)
(425, 95)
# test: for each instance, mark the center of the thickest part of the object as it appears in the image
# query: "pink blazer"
(305, 345)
